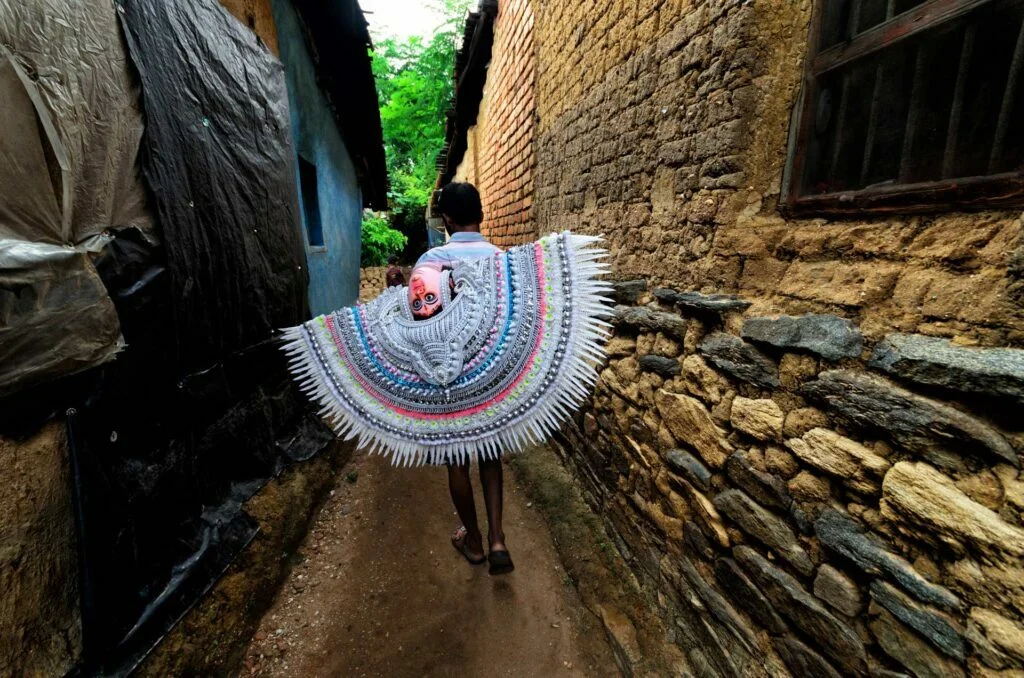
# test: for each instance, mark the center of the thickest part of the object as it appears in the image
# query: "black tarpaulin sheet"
(217, 157)
(70, 135)
(198, 411)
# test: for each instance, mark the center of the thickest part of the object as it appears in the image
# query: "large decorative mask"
(425, 292)
(510, 353)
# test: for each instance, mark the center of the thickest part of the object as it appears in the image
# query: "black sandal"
(459, 542)
(500, 562)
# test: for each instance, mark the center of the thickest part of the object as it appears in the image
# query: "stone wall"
(499, 156)
(665, 130)
(797, 497)
(371, 282)
(807, 448)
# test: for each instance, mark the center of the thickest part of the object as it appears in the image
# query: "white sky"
(401, 18)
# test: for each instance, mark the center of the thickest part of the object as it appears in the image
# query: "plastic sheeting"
(71, 129)
(197, 412)
(218, 159)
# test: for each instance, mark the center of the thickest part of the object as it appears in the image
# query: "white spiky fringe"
(589, 331)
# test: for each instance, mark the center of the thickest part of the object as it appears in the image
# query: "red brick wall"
(500, 158)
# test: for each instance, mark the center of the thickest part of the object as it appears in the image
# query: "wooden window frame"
(971, 193)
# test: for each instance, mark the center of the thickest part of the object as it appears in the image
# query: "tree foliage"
(379, 240)
(414, 90)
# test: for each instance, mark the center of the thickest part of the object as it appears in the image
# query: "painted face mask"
(425, 292)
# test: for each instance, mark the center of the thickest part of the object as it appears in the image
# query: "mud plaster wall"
(257, 15)
(499, 157)
(40, 631)
(836, 494)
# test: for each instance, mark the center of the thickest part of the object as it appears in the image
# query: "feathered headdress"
(508, 359)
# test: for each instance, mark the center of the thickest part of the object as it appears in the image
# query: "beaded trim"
(501, 367)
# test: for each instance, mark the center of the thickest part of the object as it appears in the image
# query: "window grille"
(910, 105)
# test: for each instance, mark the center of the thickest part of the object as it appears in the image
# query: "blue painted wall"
(333, 268)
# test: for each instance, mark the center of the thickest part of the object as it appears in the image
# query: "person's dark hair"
(460, 202)
(393, 259)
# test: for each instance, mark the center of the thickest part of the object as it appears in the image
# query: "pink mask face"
(425, 292)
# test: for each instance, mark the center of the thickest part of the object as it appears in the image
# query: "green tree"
(414, 89)
(379, 240)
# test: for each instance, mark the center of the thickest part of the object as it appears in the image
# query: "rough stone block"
(808, 488)
(689, 467)
(911, 650)
(920, 424)
(720, 608)
(937, 362)
(802, 660)
(939, 629)
(743, 592)
(740, 359)
(842, 535)
(794, 603)
(702, 303)
(765, 527)
(697, 541)
(666, 367)
(854, 464)
(763, 487)
(1005, 634)
(802, 420)
(761, 419)
(689, 421)
(928, 503)
(643, 318)
(627, 292)
(838, 590)
(829, 336)
(702, 381)
(707, 516)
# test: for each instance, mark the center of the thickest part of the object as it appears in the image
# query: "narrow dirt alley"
(378, 590)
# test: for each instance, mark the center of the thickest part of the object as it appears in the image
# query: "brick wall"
(819, 474)
(499, 158)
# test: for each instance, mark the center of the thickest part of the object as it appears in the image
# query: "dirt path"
(380, 591)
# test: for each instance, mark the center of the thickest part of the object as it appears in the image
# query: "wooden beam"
(899, 28)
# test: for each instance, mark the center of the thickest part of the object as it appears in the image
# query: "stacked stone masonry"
(499, 157)
(373, 281)
(806, 439)
(805, 505)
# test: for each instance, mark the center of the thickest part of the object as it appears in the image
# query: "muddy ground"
(377, 590)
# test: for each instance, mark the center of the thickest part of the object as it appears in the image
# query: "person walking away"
(394, 276)
(462, 212)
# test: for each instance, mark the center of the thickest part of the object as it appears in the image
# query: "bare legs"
(492, 480)
(461, 488)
